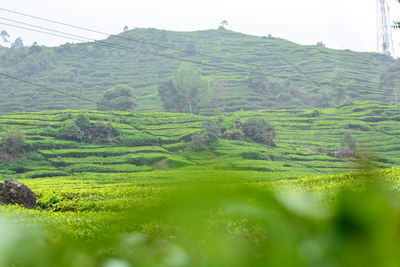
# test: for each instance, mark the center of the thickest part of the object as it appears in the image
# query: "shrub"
(234, 134)
(70, 131)
(232, 130)
(260, 131)
(198, 142)
(212, 130)
(315, 113)
(119, 97)
(255, 155)
(104, 133)
(82, 130)
(12, 144)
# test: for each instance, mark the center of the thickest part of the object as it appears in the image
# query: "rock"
(14, 192)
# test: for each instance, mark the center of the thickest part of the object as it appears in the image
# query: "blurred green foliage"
(213, 220)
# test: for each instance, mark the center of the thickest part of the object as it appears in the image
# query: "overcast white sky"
(342, 24)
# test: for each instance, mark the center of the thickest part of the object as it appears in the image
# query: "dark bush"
(119, 97)
(260, 131)
(315, 113)
(212, 130)
(12, 144)
(82, 130)
(77, 129)
(234, 134)
(255, 155)
(104, 133)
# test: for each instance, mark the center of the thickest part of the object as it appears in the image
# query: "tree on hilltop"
(17, 43)
(223, 24)
(4, 35)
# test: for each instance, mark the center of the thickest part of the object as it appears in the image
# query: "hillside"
(88, 69)
(148, 193)
(304, 143)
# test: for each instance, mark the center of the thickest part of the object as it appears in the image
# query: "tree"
(169, 96)
(260, 131)
(190, 87)
(119, 97)
(35, 48)
(126, 28)
(4, 35)
(320, 44)
(223, 24)
(17, 43)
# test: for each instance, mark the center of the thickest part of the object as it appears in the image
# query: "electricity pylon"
(384, 29)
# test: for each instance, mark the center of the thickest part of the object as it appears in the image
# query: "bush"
(259, 131)
(255, 155)
(82, 130)
(198, 142)
(12, 144)
(77, 129)
(234, 134)
(119, 97)
(104, 133)
(315, 113)
(212, 130)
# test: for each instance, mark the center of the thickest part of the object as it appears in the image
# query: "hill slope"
(88, 69)
(153, 141)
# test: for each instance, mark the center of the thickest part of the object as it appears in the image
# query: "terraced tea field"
(148, 199)
(88, 69)
(304, 143)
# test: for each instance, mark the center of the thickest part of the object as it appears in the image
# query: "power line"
(163, 46)
(67, 94)
(53, 34)
(135, 39)
(126, 48)
(53, 90)
(43, 28)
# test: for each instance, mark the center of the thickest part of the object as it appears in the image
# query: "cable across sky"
(250, 68)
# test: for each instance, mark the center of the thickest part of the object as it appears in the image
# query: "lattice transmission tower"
(384, 29)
